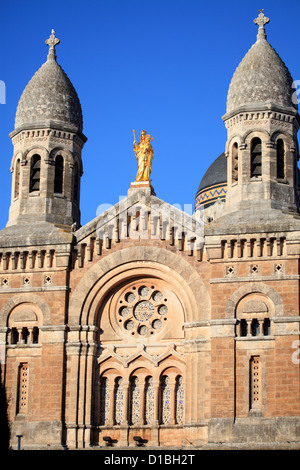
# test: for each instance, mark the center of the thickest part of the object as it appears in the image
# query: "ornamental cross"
(261, 20)
(52, 42)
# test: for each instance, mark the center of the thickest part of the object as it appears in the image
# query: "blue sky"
(160, 65)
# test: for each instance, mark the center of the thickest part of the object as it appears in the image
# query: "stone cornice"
(267, 109)
(48, 126)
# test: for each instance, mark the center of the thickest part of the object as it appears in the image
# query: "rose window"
(142, 310)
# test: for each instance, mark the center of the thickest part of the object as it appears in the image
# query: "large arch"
(86, 361)
(26, 298)
(133, 261)
(254, 287)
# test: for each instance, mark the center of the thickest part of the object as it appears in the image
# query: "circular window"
(143, 330)
(143, 309)
(162, 309)
(124, 311)
(157, 296)
(130, 297)
(157, 324)
(129, 325)
(144, 291)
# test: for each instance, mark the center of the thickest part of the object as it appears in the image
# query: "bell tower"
(262, 122)
(46, 165)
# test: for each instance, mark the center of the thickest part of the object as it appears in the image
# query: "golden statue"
(144, 156)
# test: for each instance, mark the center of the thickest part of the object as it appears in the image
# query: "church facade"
(146, 325)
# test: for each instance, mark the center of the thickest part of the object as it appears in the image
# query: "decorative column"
(155, 429)
(71, 407)
(29, 337)
(125, 416)
(90, 364)
(249, 328)
(261, 327)
(270, 157)
(156, 403)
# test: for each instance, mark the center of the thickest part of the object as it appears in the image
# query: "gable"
(137, 218)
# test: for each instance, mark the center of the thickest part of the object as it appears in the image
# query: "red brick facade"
(147, 323)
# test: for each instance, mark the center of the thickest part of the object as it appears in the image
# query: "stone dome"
(261, 78)
(49, 96)
(213, 185)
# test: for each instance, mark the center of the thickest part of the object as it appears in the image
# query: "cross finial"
(261, 20)
(52, 42)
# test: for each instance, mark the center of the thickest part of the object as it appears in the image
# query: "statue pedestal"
(144, 186)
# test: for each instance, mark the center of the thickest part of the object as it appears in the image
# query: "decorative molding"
(254, 288)
(283, 277)
(141, 352)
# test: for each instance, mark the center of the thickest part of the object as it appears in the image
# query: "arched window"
(104, 401)
(24, 335)
(119, 400)
(255, 327)
(59, 174)
(256, 155)
(14, 336)
(243, 327)
(17, 178)
(149, 400)
(35, 173)
(267, 327)
(165, 400)
(179, 400)
(143, 400)
(134, 400)
(35, 335)
(235, 164)
(280, 159)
